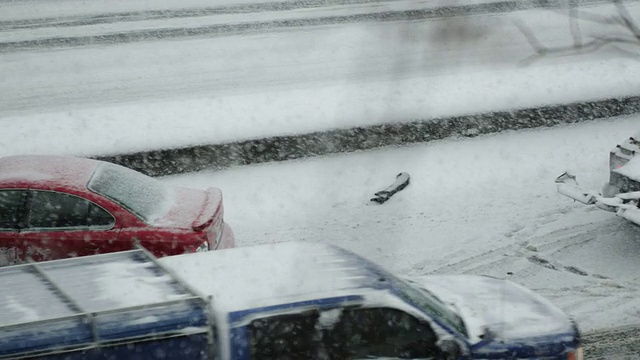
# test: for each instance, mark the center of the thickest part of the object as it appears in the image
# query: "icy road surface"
(485, 205)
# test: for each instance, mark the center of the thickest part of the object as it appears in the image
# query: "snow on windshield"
(147, 198)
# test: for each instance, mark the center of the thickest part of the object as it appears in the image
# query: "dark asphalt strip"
(177, 13)
(273, 25)
(108, 18)
(288, 147)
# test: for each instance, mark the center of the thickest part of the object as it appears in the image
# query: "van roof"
(71, 304)
(268, 275)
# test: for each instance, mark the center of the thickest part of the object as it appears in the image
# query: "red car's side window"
(11, 203)
(49, 209)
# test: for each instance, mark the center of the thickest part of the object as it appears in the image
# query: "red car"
(54, 207)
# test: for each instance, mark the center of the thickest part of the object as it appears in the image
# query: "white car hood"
(508, 310)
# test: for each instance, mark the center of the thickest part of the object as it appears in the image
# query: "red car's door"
(12, 205)
(61, 225)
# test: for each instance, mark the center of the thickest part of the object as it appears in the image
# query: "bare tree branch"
(574, 27)
(628, 20)
(590, 17)
(530, 36)
(622, 20)
(625, 53)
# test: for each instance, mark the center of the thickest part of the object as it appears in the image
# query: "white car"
(622, 193)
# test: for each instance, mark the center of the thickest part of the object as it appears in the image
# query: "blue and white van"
(292, 300)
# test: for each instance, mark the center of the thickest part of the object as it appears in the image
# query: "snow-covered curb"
(279, 148)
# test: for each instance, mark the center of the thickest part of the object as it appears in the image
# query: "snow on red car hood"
(508, 310)
(187, 206)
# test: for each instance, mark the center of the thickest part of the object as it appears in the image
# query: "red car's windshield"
(146, 197)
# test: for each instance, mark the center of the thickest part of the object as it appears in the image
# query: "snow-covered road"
(483, 206)
(307, 79)
(475, 206)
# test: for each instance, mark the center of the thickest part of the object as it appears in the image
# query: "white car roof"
(631, 169)
(266, 275)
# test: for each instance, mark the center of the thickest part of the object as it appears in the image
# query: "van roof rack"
(87, 302)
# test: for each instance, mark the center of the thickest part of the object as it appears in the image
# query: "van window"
(358, 333)
(287, 337)
(381, 332)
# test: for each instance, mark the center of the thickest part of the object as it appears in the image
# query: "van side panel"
(240, 343)
(190, 347)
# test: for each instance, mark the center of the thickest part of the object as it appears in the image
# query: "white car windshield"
(144, 196)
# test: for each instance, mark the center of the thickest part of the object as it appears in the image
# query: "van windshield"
(430, 304)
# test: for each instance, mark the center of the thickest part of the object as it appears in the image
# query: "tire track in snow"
(109, 18)
(617, 343)
(253, 27)
(621, 343)
(544, 250)
(242, 9)
(523, 243)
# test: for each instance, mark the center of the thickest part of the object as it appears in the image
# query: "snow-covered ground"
(178, 93)
(64, 9)
(484, 205)
(476, 206)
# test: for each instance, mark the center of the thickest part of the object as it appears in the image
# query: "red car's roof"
(47, 171)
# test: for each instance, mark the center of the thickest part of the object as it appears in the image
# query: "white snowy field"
(160, 94)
